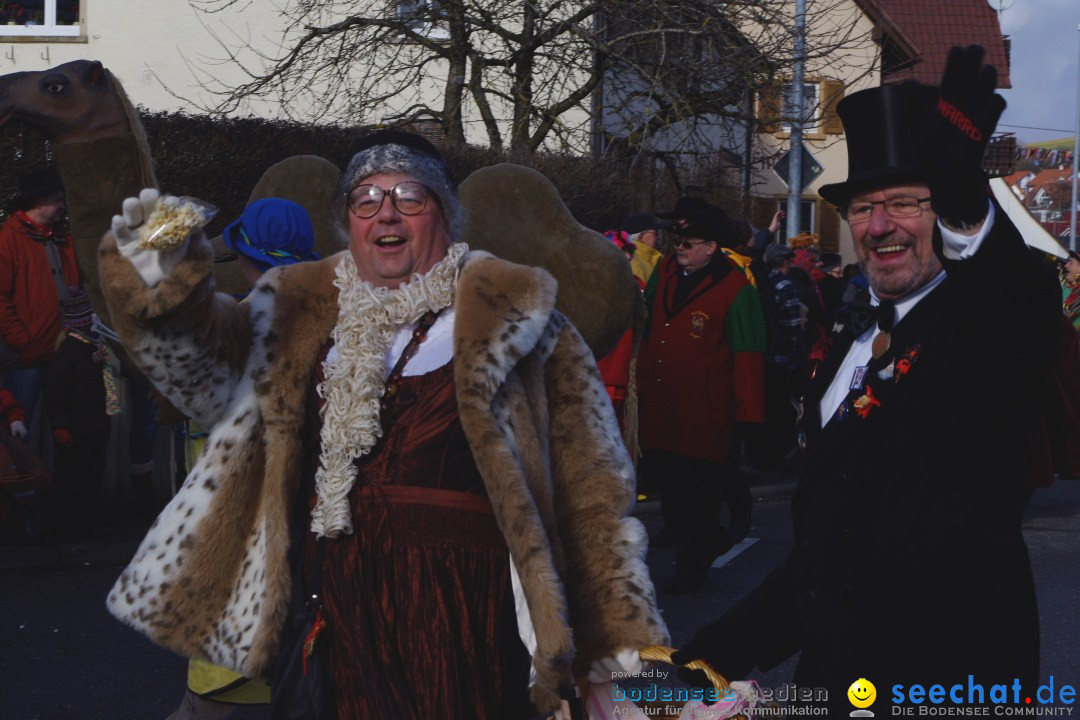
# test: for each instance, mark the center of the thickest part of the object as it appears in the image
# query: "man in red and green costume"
(700, 374)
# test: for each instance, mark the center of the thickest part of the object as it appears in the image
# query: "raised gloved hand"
(153, 265)
(18, 429)
(957, 132)
(63, 437)
(623, 664)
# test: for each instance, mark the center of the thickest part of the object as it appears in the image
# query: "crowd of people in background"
(64, 385)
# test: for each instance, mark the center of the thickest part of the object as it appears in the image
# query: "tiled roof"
(934, 26)
(1017, 176)
(1050, 176)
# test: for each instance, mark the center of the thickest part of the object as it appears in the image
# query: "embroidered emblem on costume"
(886, 372)
(866, 403)
(858, 378)
(697, 323)
(838, 326)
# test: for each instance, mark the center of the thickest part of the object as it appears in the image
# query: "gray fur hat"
(397, 151)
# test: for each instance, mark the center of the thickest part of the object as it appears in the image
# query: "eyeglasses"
(409, 197)
(903, 206)
(687, 244)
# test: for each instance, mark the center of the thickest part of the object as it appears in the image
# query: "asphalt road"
(62, 656)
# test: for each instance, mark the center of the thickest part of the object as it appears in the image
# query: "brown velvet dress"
(419, 598)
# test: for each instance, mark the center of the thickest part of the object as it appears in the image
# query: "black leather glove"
(957, 133)
(703, 646)
(696, 679)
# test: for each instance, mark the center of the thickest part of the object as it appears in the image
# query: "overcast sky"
(1045, 55)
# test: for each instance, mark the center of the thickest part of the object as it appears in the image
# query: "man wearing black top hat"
(909, 566)
(37, 264)
(700, 371)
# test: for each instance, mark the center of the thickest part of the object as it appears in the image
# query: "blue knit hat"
(273, 231)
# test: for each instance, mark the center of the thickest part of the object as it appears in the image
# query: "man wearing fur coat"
(446, 427)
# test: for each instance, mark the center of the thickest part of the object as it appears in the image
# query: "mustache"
(877, 243)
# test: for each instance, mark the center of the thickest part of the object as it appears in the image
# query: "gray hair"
(394, 151)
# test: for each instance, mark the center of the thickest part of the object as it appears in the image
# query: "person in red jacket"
(24, 478)
(700, 372)
(37, 264)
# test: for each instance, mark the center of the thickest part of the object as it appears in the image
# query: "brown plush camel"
(103, 157)
(99, 144)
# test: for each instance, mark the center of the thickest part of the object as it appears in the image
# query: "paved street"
(63, 657)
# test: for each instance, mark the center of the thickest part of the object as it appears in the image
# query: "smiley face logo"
(862, 693)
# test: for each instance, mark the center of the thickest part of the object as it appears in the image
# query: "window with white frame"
(425, 17)
(49, 18)
(811, 107)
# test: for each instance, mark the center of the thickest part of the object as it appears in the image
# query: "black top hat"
(705, 221)
(36, 185)
(884, 130)
(683, 206)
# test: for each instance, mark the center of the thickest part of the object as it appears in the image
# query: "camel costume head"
(511, 211)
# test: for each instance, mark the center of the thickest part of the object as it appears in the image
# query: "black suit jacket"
(909, 564)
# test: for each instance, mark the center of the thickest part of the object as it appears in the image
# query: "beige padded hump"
(515, 213)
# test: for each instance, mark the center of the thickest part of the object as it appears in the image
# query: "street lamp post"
(794, 203)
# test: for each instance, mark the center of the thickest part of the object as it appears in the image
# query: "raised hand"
(152, 264)
(958, 130)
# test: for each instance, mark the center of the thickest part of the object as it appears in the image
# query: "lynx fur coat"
(211, 579)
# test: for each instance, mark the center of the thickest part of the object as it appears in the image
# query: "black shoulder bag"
(301, 684)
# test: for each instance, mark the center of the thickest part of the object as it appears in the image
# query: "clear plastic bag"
(172, 221)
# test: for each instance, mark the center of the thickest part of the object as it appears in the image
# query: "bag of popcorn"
(172, 221)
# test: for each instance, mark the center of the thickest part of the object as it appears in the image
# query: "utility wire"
(1027, 127)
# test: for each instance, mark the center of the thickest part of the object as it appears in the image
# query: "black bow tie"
(860, 316)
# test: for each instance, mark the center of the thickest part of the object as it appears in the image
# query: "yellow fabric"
(195, 439)
(644, 261)
(206, 679)
(743, 262)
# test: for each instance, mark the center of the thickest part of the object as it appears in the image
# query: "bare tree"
(614, 75)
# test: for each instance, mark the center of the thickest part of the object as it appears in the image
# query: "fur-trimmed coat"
(211, 579)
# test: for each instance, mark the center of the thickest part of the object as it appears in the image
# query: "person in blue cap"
(271, 232)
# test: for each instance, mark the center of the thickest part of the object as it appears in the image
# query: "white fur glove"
(152, 265)
(623, 664)
(18, 429)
